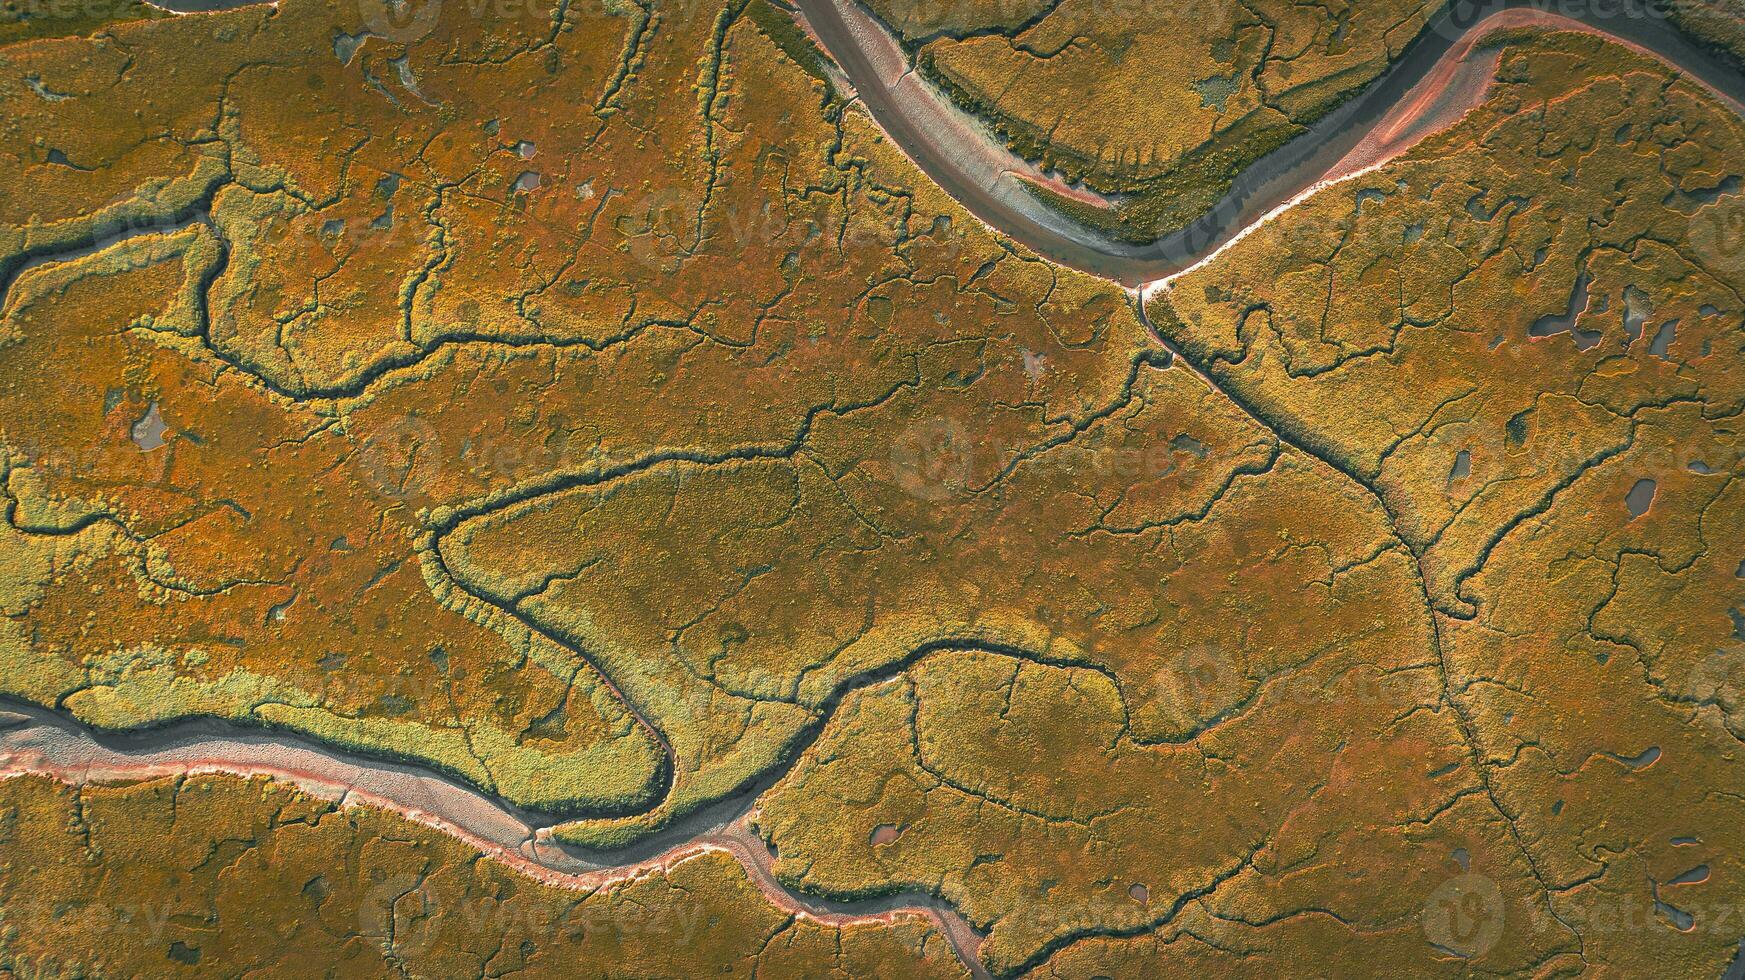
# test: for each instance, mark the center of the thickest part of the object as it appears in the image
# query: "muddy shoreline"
(1386, 118)
(42, 742)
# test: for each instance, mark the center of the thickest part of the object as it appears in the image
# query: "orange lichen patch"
(220, 873)
(62, 99)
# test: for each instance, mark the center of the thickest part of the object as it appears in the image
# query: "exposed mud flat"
(36, 741)
(1439, 77)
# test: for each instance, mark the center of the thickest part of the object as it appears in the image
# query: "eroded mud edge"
(37, 741)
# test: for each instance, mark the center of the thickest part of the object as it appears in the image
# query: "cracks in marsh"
(413, 353)
(564, 482)
(1009, 31)
(300, 391)
(148, 566)
(501, 508)
(644, 23)
(1462, 714)
(517, 600)
(51, 743)
(1168, 916)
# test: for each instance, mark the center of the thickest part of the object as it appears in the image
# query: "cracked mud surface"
(587, 415)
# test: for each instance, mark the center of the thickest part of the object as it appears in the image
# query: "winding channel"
(41, 742)
(1438, 77)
